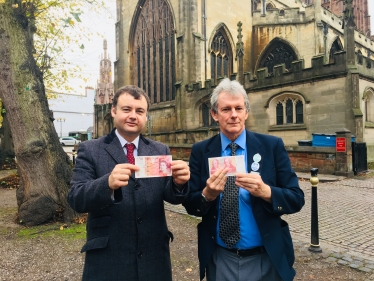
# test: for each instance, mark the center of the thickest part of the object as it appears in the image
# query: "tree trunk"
(6, 142)
(44, 167)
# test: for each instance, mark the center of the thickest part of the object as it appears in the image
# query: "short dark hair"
(132, 90)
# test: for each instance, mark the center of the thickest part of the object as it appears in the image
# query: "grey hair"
(234, 88)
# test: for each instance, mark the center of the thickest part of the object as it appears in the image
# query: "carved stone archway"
(278, 52)
(221, 55)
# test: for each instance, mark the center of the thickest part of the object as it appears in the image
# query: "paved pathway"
(346, 221)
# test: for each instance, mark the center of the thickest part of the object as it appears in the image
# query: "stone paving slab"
(345, 214)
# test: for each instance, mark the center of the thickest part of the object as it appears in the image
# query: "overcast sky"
(371, 13)
(104, 24)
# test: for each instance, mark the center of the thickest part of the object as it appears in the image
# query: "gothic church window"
(153, 57)
(270, 6)
(278, 53)
(359, 57)
(286, 109)
(336, 47)
(369, 106)
(256, 5)
(220, 56)
(206, 118)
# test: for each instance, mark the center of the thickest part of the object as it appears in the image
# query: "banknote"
(235, 164)
(153, 166)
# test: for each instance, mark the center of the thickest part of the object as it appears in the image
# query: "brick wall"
(304, 158)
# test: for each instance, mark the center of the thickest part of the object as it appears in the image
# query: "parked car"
(68, 141)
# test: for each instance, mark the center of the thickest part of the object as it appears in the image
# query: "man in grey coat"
(127, 234)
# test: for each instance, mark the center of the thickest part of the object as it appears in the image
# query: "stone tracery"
(154, 51)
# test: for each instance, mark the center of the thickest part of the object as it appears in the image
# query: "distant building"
(72, 112)
(103, 97)
(360, 12)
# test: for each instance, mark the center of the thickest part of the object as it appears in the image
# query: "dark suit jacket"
(287, 198)
(127, 238)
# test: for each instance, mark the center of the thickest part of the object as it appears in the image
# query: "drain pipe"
(263, 7)
(205, 39)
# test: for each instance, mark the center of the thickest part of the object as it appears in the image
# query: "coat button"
(139, 220)
(213, 237)
(140, 254)
(136, 187)
(279, 208)
(215, 217)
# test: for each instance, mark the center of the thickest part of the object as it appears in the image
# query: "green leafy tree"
(27, 64)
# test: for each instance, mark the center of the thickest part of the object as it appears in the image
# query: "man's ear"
(214, 116)
(113, 111)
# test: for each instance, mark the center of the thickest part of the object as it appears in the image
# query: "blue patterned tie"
(229, 230)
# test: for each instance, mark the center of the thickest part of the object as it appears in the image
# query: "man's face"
(129, 116)
(231, 115)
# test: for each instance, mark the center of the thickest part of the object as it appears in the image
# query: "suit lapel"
(254, 147)
(144, 149)
(116, 151)
(213, 150)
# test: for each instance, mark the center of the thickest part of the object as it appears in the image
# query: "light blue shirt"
(249, 234)
(123, 142)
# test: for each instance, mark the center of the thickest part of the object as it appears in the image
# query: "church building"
(305, 64)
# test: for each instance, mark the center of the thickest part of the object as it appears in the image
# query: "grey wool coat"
(127, 238)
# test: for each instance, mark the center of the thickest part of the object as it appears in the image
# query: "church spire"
(105, 88)
(105, 49)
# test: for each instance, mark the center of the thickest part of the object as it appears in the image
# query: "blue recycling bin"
(328, 140)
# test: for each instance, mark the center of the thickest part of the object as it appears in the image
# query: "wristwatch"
(204, 199)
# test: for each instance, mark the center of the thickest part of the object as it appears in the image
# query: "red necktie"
(130, 152)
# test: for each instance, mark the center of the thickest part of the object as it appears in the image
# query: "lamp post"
(60, 120)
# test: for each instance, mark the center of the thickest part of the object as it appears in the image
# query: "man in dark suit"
(242, 236)
(127, 234)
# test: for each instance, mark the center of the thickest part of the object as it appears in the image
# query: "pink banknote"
(153, 166)
(235, 164)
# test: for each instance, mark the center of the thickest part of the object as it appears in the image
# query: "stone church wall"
(323, 94)
(229, 12)
(289, 27)
(325, 88)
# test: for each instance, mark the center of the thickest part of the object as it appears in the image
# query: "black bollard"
(314, 244)
(73, 152)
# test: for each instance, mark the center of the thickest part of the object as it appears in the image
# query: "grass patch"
(195, 220)
(74, 231)
(371, 166)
